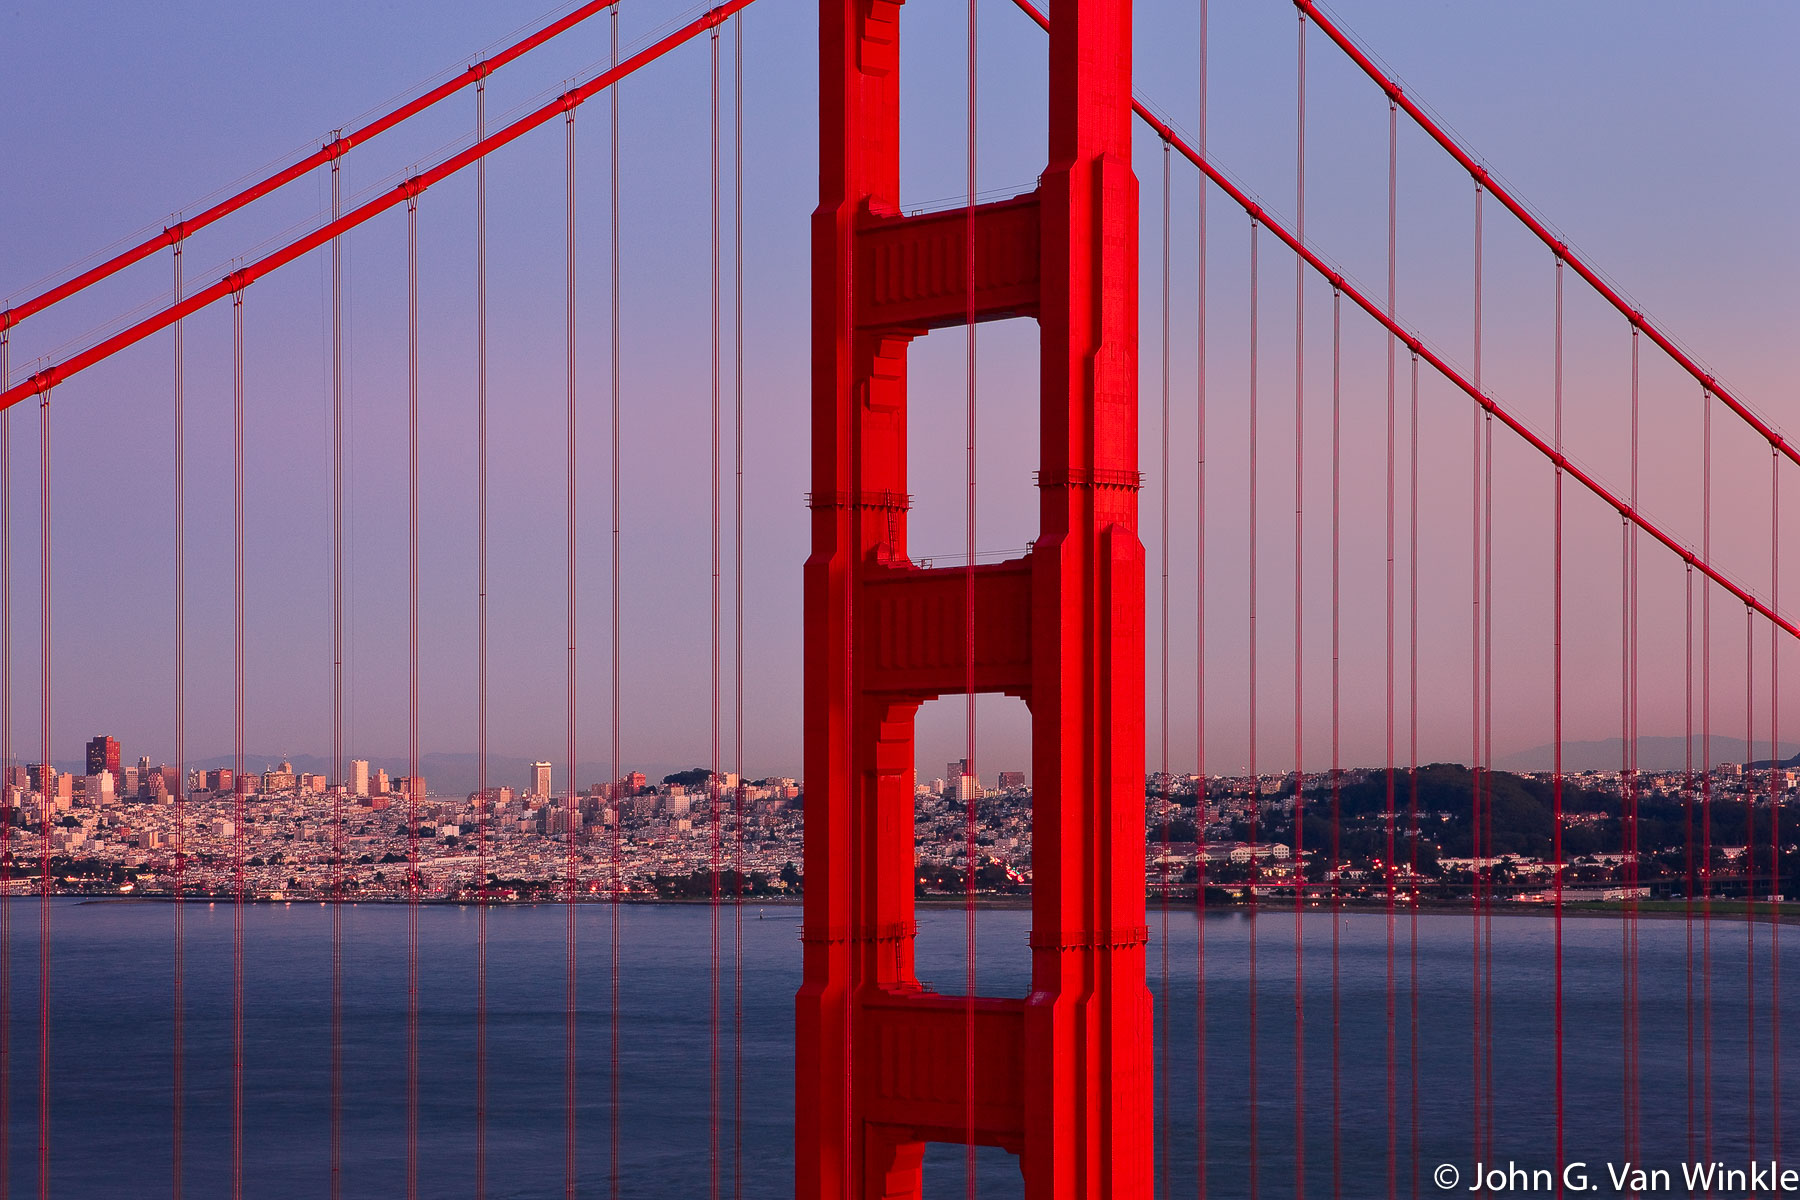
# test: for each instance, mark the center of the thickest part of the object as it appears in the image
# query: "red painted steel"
(1062, 1078)
(6, 760)
(1560, 248)
(331, 152)
(40, 383)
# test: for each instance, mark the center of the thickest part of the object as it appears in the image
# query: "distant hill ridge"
(1654, 754)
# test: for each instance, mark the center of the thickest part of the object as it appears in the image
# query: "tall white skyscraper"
(540, 780)
(359, 777)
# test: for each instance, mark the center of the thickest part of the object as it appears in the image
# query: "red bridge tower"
(1062, 1076)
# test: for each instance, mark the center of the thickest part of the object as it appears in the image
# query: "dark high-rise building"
(103, 755)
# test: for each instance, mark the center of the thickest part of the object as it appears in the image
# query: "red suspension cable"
(1200, 646)
(331, 152)
(1706, 782)
(44, 787)
(713, 894)
(413, 888)
(6, 778)
(1337, 790)
(1556, 708)
(338, 780)
(1255, 786)
(1687, 812)
(1475, 828)
(571, 805)
(1632, 1096)
(1162, 994)
(1482, 179)
(1412, 789)
(243, 277)
(1749, 887)
(972, 770)
(1774, 807)
(1388, 856)
(178, 1005)
(237, 742)
(1299, 658)
(618, 771)
(481, 648)
(737, 642)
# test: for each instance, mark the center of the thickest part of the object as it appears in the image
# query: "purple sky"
(1658, 139)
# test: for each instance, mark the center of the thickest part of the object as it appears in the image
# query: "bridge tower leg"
(1062, 1076)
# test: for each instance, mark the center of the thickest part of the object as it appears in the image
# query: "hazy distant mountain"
(1654, 754)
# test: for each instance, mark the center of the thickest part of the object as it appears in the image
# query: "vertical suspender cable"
(1633, 1099)
(413, 888)
(1556, 720)
(1749, 860)
(1392, 470)
(1412, 789)
(338, 782)
(1633, 1078)
(6, 777)
(571, 809)
(44, 787)
(1487, 780)
(1687, 812)
(1475, 710)
(713, 895)
(481, 646)
(1255, 786)
(1200, 646)
(237, 743)
(973, 776)
(1162, 995)
(1337, 790)
(618, 772)
(1706, 780)
(737, 641)
(1299, 645)
(1774, 805)
(178, 1007)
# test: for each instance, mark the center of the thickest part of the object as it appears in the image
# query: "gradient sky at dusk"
(1659, 139)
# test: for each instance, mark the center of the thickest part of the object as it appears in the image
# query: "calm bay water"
(111, 1057)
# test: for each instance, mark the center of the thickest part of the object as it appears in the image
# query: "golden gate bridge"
(1067, 1077)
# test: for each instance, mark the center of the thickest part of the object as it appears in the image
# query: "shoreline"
(1789, 913)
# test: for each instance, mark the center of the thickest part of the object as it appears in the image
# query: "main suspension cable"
(331, 152)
